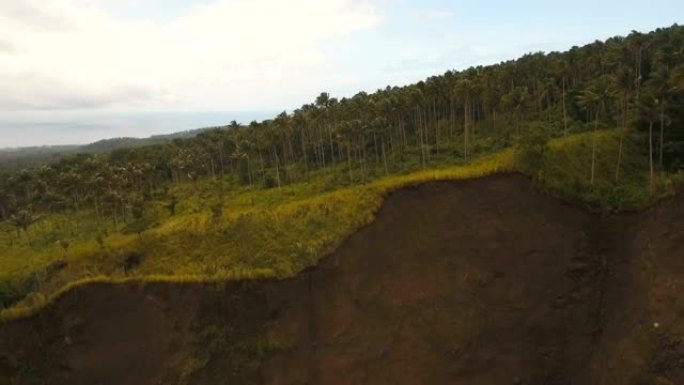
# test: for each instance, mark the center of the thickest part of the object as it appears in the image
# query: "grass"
(276, 233)
(566, 172)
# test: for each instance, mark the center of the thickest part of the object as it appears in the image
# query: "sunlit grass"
(265, 233)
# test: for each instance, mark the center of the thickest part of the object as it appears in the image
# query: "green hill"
(602, 125)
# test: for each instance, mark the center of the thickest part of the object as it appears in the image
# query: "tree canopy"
(635, 82)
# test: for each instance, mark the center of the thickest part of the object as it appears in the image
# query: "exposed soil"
(477, 282)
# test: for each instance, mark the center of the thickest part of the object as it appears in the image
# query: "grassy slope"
(279, 232)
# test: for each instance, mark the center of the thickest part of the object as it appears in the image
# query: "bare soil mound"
(477, 282)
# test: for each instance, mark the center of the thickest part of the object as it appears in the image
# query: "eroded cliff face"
(477, 282)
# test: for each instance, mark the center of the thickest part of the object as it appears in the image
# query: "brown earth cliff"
(477, 282)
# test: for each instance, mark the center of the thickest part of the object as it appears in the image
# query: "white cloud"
(75, 54)
(434, 14)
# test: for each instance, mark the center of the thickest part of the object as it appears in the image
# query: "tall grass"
(264, 233)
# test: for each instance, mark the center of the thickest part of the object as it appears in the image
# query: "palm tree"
(299, 122)
(273, 139)
(622, 84)
(594, 98)
(233, 125)
(344, 135)
(324, 101)
(379, 127)
(637, 44)
(22, 220)
(661, 86)
(417, 99)
(647, 111)
(517, 100)
(5, 202)
(465, 89)
(241, 152)
(545, 90)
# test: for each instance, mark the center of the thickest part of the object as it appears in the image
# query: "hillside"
(28, 157)
(515, 223)
(16, 158)
(112, 144)
(229, 202)
(485, 281)
(633, 83)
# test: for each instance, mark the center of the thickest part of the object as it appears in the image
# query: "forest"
(635, 82)
(601, 124)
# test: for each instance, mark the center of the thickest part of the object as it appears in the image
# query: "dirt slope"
(477, 282)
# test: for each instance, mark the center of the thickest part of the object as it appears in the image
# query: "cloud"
(433, 14)
(35, 15)
(6, 47)
(31, 91)
(61, 54)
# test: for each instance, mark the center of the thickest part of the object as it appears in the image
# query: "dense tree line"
(635, 82)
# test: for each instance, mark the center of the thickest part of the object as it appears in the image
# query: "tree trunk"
(261, 161)
(384, 156)
(650, 156)
(452, 117)
(426, 132)
(363, 156)
(277, 164)
(375, 148)
(330, 138)
(662, 141)
(473, 121)
(321, 146)
(306, 160)
(349, 165)
(593, 149)
(221, 162)
(434, 114)
(391, 143)
(465, 131)
(249, 170)
(420, 137)
(619, 160)
(637, 75)
(403, 132)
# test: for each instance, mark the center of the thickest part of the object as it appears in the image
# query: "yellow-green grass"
(268, 233)
(273, 232)
(566, 171)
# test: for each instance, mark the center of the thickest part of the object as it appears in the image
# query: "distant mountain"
(118, 143)
(13, 158)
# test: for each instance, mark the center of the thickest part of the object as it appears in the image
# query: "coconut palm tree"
(22, 220)
(5, 202)
(637, 44)
(517, 101)
(465, 91)
(661, 86)
(647, 110)
(594, 99)
(623, 84)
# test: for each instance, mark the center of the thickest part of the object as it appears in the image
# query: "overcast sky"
(74, 71)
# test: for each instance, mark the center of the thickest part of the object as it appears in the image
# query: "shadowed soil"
(477, 282)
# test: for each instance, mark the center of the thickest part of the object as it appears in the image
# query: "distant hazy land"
(25, 144)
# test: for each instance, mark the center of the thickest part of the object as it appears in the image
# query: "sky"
(76, 71)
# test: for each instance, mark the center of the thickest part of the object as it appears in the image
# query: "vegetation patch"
(278, 233)
(270, 198)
